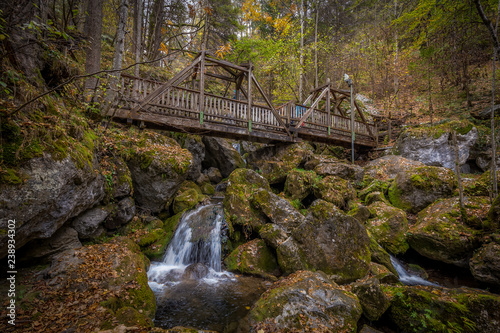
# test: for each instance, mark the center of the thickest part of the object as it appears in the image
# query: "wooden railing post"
(327, 107)
(202, 87)
(249, 108)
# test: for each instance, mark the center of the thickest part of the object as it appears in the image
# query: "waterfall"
(196, 240)
(407, 278)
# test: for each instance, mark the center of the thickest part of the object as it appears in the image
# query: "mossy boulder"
(373, 299)
(383, 274)
(185, 200)
(375, 186)
(479, 185)
(387, 167)
(305, 302)
(415, 189)
(121, 184)
(131, 317)
(242, 184)
(279, 211)
(441, 234)
(275, 162)
(336, 190)
(158, 166)
(388, 226)
(330, 241)
(254, 258)
(493, 222)
(379, 255)
(328, 166)
(360, 212)
(298, 184)
(375, 197)
(436, 309)
(273, 234)
(485, 265)
(221, 154)
(207, 188)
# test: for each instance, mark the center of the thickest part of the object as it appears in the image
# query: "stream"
(190, 286)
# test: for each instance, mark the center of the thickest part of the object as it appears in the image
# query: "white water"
(409, 279)
(183, 250)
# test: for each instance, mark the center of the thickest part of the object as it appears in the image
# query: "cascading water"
(407, 278)
(190, 286)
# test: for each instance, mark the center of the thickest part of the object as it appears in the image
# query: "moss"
(254, 258)
(395, 198)
(185, 200)
(131, 317)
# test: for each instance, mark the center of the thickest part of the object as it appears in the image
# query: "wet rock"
(185, 200)
(383, 274)
(485, 265)
(54, 192)
(298, 184)
(380, 255)
(195, 272)
(335, 190)
(330, 241)
(305, 302)
(43, 250)
(431, 309)
(242, 184)
(253, 258)
(387, 167)
(440, 233)
(89, 224)
(373, 299)
(415, 189)
(275, 162)
(219, 153)
(280, 211)
(157, 172)
(213, 175)
(273, 234)
(434, 149)
(388, 226)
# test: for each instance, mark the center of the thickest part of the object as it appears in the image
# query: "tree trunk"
(155, 24)
(316, 84)
(301, 59)
(93, 26)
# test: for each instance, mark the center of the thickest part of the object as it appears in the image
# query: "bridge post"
(249, 108)
(202, 87)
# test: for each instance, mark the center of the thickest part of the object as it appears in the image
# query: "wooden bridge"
(184, 104)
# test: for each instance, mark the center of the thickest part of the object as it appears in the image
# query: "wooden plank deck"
(178, 109)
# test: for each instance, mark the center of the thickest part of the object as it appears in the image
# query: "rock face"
(440, 233)
(43, 250)
(54, 192)
(253, 258)
(388, 227)
(305, 302)
(329, 241)
(436, 151)
(415, 189)
(242, 184)
(156, 175)
(436, 309)
(387, 167)
(275, 162)
(485, 266)
(89, 224)
(219, 153)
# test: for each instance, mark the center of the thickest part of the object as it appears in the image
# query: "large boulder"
(254, 258)
(105, 281)
(387, 167)
(299, 183)
(89, 224)
(219, 153)
(336, 190)
(275, 162)
(436, 148)
(415, 189)
(373, 299)
(485, 265)
(441, 234)
(388, 226)
(158, 169)
(242, 184)
(437, 309)
(196, 147)
(328, 166)
(54, 192)
(305, 302)
(279, 211)
(330, 241)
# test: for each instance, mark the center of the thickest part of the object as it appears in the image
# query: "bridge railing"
(292, 113)
(184, 103)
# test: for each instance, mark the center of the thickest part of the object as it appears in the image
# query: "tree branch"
(487, 23)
